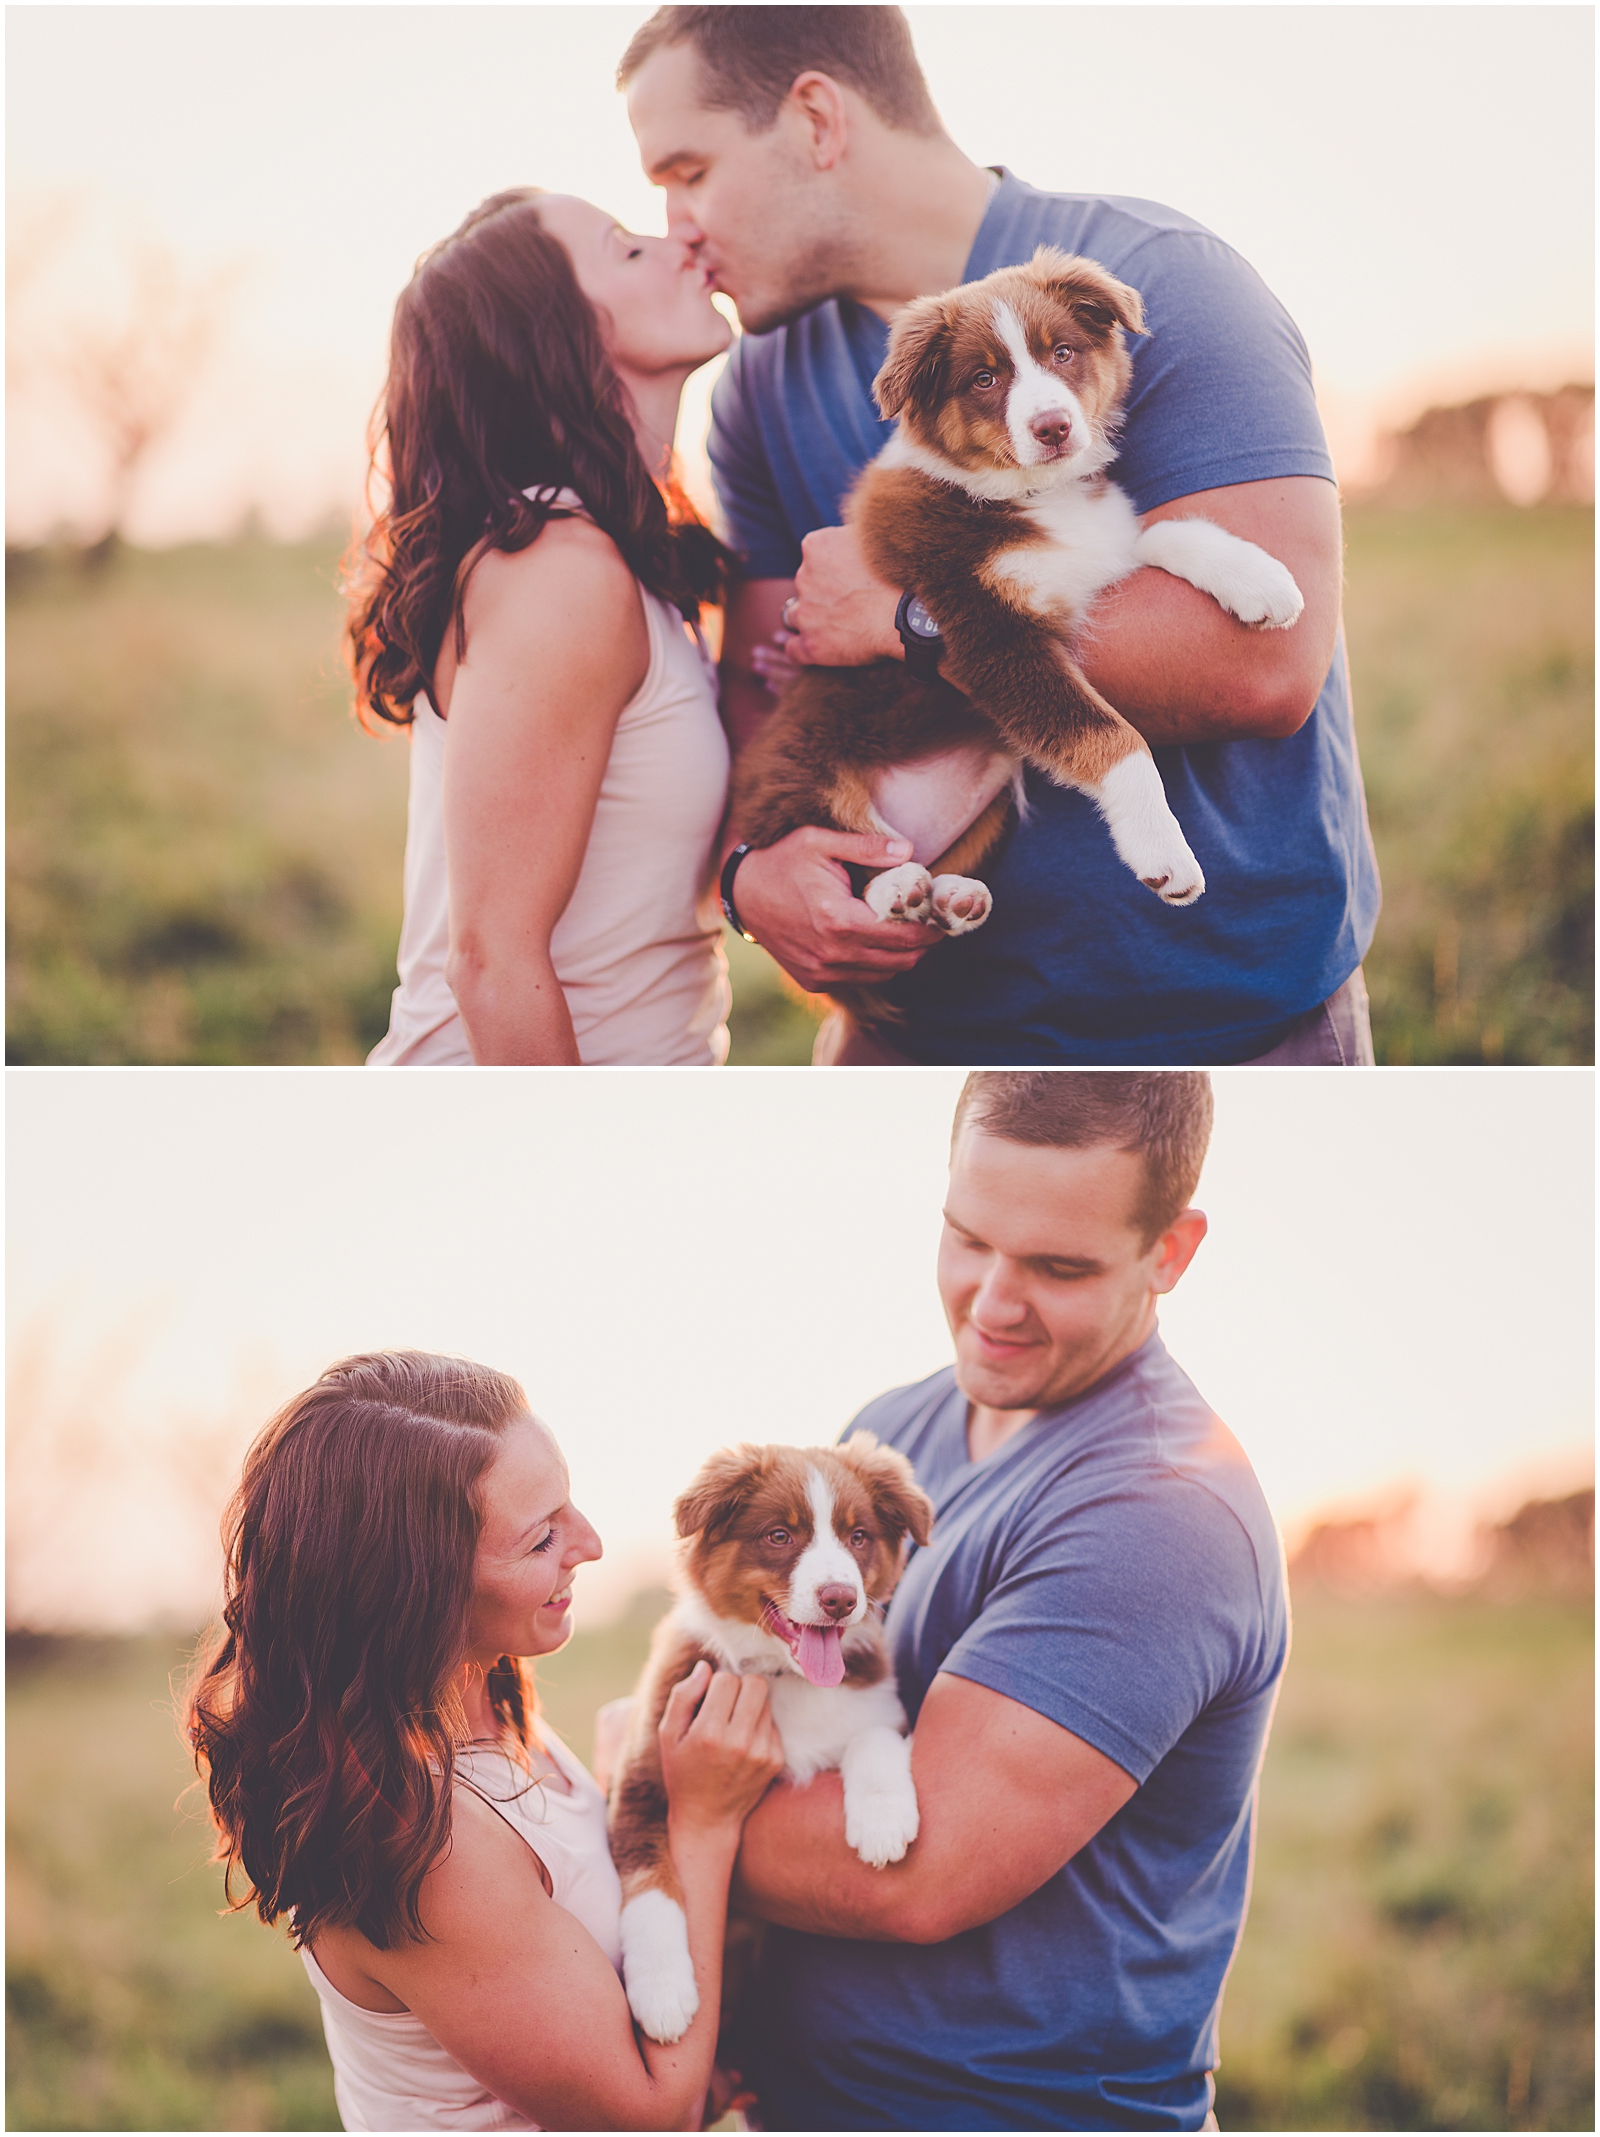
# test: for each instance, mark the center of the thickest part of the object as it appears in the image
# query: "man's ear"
(714, 1497)
(817, 101)
(913, 370)
(1098, 298)
(1177, 1247)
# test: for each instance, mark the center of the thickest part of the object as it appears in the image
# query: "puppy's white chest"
(1089, 543)
(819, 1722)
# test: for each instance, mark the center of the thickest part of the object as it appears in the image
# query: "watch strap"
(922, 654)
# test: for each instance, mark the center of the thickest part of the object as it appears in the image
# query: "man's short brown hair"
(1164, 1115)
(750, 58)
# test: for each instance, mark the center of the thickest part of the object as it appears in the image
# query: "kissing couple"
(529, 603)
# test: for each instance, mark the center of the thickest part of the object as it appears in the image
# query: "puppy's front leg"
(1243, 579)
(880, 1800)
(657, 1971)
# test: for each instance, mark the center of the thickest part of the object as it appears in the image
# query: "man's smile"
(999, 1348)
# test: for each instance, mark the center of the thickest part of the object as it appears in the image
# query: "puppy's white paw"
(1245, 581)
(960, 904)
(903, 893)
(1173, 874)
(881, 1823)
(657, 1971)
(1145, 832)
(1265, 596)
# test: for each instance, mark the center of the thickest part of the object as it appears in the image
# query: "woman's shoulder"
(568, 597)
(569, 557)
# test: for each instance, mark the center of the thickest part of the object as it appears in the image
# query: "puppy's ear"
(896, 1500)
(1096, 296)
(716, 1494)
(913, 370)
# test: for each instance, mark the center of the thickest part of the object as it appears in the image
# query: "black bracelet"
(730, 868)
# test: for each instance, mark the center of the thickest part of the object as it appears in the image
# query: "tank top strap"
(559, 500)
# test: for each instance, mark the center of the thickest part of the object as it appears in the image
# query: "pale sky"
(1416, 183)
(1397, 1287)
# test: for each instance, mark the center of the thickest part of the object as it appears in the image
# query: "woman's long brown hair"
(326, 1718)
(499, 382)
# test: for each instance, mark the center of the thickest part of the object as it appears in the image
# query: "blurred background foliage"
(204, 857)
(1419, 1952)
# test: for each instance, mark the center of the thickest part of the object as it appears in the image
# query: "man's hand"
(795, 898)
(841, 616)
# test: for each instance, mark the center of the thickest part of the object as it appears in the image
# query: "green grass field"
(205, 853)
(1419, 1953)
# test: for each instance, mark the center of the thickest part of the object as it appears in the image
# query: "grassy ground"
(1472, 661)
(205, 854)
(1420, 1947)
(1419, 1952)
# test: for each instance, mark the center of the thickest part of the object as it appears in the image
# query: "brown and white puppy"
(991, 503)
(789, 1556)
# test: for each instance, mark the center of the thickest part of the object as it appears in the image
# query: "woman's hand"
(720, 1749)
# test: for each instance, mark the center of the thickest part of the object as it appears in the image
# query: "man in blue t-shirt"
(805, 165)
(1089, 1649)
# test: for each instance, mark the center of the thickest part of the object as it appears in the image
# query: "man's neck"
(988, 1430)
(927, 201)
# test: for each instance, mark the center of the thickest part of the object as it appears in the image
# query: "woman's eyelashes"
(547, 1540)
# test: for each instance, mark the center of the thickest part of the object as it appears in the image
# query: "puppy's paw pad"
(1182, 889)
(903, 893)
(1272, 602)
(960, 904)
(657, 1971)
(881, 1826)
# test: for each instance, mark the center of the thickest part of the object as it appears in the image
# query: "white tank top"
(389, 2073)
(638, 950)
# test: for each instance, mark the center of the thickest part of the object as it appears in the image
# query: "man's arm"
(1172, 661)
(1006, 1798)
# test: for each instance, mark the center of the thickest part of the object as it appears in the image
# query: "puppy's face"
(801, 1542)
(1024, 371)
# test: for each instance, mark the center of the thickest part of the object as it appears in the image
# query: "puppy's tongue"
(821, 1653)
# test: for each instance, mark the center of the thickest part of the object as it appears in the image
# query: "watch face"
(919, 621)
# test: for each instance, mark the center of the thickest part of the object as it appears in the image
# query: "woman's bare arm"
(517, 1990)
(556, 646)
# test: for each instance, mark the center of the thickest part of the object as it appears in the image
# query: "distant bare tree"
(127, 370)
(132, 376)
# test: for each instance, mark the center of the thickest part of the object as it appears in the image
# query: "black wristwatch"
(921, 637)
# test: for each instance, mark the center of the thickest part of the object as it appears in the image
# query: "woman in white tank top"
(401, 1538)
(529, 607)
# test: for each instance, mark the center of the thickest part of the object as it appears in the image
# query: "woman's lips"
(558, 1602)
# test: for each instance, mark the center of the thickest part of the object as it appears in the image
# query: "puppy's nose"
(1052, 427)
(835, 1600)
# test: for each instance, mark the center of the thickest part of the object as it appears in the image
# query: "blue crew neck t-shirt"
(1079, 963)
(1115, 1568)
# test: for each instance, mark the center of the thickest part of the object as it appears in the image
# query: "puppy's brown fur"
(730, 1572)
(739, 1496)
(1013, 684)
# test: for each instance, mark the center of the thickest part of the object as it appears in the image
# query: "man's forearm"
(1168, 657)
(1005, 1795)
(796, 1868)
(1181, 670)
